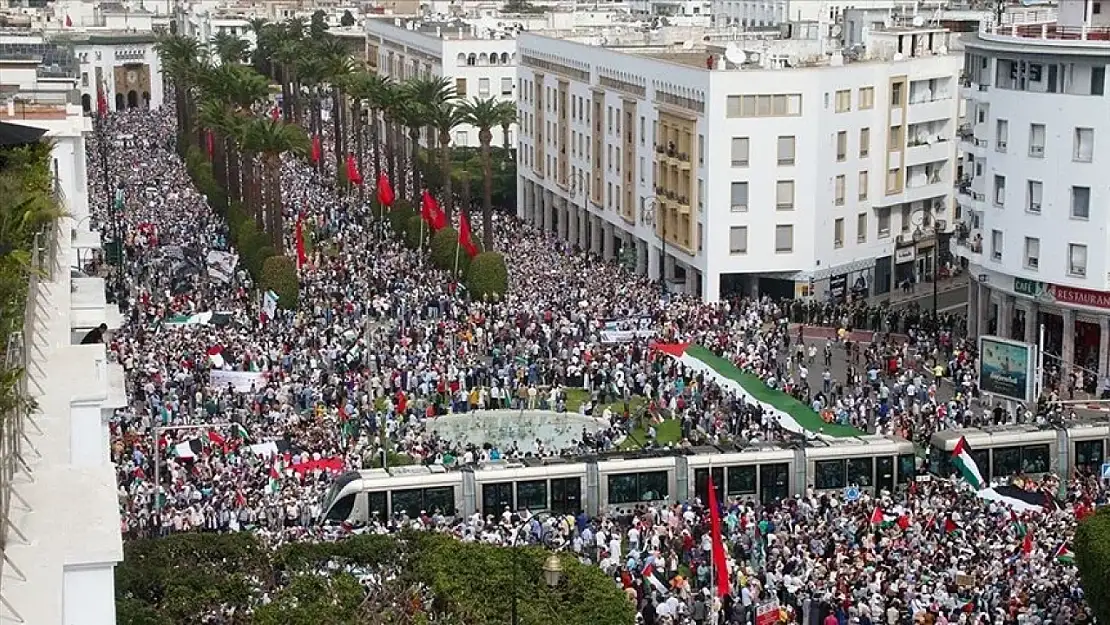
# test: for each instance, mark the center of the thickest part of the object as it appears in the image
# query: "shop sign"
(838, 287)
(904, 255)
(1024, 286)
(1081, 297)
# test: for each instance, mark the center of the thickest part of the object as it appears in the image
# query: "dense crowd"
(382, 344)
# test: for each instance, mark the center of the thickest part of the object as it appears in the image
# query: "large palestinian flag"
(1015, 497)
(792, 414)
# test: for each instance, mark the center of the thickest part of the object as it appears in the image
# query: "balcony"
(929, 151)
(969, 241)
(931, 110)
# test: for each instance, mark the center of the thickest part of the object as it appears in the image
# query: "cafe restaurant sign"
(1081, 297)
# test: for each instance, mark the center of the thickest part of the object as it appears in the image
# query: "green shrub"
(398, 217)
(236, 215)
(279, 274)
(1092, 556)
(416, 232)
(443, 245)
(487, 276)
(255, 258)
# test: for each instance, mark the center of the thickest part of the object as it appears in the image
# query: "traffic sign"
(1106, 470)
(852, 493)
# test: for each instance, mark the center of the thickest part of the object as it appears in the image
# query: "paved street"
(951, 296)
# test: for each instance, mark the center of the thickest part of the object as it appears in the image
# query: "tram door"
(774, 482)
(884, 474)
(701, 483)
(496, 497)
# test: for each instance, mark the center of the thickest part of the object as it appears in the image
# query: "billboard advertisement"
(1007, 368)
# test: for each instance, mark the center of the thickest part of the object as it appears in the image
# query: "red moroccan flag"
(210, 143)
(432, 213)
(101, 101)
(385, 191)
(302, 257)
(69, 22)
(352, 170)
(465, 238)
(275, 113)
(315, 148)
(720, 561)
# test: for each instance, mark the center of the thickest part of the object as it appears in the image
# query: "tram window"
(1088, 455)
(982, 458)
(774, 482)
(637, 487)
(532, 495)
(829, 474)
(1007, 462)
(378, 506)
(741, 481)
(440, 499)
(1034, 459)
(566, 495)
(341, 510)
(940, 463)
(408, 502)
(701, 480)
(497, 497)
(907, 467)
(861, 471)
(884, 473)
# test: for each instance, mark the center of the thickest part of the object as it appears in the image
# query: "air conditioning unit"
(1033, 263)
(1002, 146)
(1079, 271)
(1035, 207)
(1036, 150)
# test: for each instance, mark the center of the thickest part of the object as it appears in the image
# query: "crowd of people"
(381, 344)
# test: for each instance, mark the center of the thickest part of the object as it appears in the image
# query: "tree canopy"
(368, 579)
(1092, 556)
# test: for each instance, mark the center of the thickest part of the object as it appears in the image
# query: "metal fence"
(17, 421)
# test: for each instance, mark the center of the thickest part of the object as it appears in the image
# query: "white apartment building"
(61, 528)
(1034, 195)
(785, 175)
(126, 65)
(763, 13)
(481, 62)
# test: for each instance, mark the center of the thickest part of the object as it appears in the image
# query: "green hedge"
(487, 276)
(443, 250)
(399, 215)
(415, 228)
(204, 178)
(1092, 556)
(279, 274)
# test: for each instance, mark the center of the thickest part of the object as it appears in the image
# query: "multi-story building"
(480, 61)
(59, 516)
(761, 13)
(1033, 212)
(124, 64)
(779, 170)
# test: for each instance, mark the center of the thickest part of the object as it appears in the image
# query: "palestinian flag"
(188, 450)
(216, 356)
(1064, 554)
(961, 457)
(275, 476)
(239, 431)
(1018, 499)
(950, 525)
(792, 415)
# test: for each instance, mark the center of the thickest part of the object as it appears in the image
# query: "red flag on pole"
(385, 191)
(432, 213)
(210, 143)
(302, 257)
(1027, 543)
(69, 22)
(352, 170)
(466, 240)
(101, 101)
(315, 148)
(275, 113)
(720, 562)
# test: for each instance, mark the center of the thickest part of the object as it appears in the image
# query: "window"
(893, 181)
(864, 182)
(1034, 192)
(906, 214)
(844, 101)
(861, 471)
(1077, 260)
(1001, 134)
(769, 105)
(896, 142)
(740, 146)
(829, 475)
(732, 106)
(1032, 252)
(1098, 79)
(884, 222)
(461, 138)
(861, 228)
(784, 195)
(838, 232)
(483, 87)
(739, 197)
(1096, 8)
(738, 240)
(1036, 140)
(841, 146)
(864, 142)
(999, 190)
(1080, 202)
(637, 487)
(996, 245)
(896, 94)
(642, 128)
(866, 97)
(531, 494)
(1084, 145)
(460, 87)
(784, 238)
(840, 190)
(507, 87)
(786, 150)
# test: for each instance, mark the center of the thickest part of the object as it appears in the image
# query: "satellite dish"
(836, 30)
(687, 45)
(918, 21)
(735, 55)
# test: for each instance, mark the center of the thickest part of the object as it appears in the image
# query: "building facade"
(1033, 196)
(125, 65)
(808, 180)
(480, 62)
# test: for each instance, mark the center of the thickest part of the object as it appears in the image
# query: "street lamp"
(552, 571)
(921, 231)
(648, 216)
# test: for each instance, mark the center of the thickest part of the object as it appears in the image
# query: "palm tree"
(485, 115)
(312, 71)
(392, 103)
(180, 56)
(338, 66)
(270, 139)
(412, 115)
(426, 95)
(285, 57)
(446, 117)
(375, 88)
(230, 48)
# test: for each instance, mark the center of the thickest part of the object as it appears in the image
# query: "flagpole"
(455, 273)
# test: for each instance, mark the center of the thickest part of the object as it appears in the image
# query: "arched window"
(86, 103)
(504, 58)
(483, 59)
(462, 59)
(472, 59)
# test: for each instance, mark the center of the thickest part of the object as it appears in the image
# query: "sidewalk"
(922, 290)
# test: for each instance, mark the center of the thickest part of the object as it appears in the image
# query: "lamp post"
(921, 231)
(552, 568)
(115, 208)
(649, 215)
